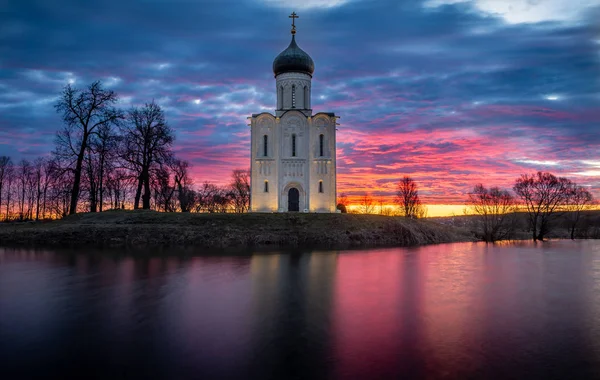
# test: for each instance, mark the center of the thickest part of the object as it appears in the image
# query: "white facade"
(293, 155)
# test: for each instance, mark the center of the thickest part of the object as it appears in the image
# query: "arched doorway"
(293, 199)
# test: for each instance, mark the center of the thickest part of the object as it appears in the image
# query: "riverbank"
(142, 228)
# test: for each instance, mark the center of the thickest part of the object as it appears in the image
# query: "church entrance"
(293, 199)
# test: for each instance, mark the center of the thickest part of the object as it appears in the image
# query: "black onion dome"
(293, 59)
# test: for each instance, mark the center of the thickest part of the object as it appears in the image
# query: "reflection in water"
(449, 311)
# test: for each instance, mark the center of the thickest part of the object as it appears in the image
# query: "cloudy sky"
(451, 92)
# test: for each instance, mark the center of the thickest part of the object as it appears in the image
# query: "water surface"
(455, 311)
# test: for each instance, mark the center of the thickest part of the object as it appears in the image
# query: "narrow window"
(306, 105)
(293, 96)
(321, 138)
(266, 186)
(280, 98)
(320, 186)
(293, 145)
(265, 145)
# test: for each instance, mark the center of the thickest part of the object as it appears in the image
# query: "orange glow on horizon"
(433, 210)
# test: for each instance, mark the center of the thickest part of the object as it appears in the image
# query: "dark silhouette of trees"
(205, 197)
(496, 212)
(185, 194)
(84, 113)
(164, 190)
(24, 185)
(9, 179)
(240, 190)
(116, 186)
(407, 197)
(579, 199)
(47, 181)
(6, 167)
(543, 195)
(146, 146)
(102, 153)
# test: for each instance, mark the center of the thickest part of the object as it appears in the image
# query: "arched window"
(293, 96)
(265, 145)
(293, 145)
(266, 186)
(320, 186)
(321, 138)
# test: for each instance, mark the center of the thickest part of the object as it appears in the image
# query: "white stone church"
(293, 152)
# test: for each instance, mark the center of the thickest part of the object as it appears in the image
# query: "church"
(293, 162)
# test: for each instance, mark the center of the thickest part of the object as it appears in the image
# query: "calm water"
(455, 311)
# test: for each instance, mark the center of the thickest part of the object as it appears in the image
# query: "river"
(454, 311)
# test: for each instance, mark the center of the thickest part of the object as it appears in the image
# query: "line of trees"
(108, 158)
(407, 201)
(542, 196)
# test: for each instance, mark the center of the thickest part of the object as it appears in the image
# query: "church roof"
(293, 59)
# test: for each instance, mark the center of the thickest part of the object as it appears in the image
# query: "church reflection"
(292, 294)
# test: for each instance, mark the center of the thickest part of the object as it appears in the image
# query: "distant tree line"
(108, 158)
(542, 197)
(407, 202)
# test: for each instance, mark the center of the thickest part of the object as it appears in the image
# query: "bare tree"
(84, 112)
(147, 141)
(222, 200)
(116, 184)
(60, 193)
(496, 212)
(24, 176)
(205, 197)
(5, 172)
(407, 197)
(49, 169)
(38, 175)
(579, 199)
(543, 195)
(367, 205)
(240, 190)
(9, 179)
(163, 190)
(104, 145)
(185, 193)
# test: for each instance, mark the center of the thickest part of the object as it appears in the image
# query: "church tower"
(293, 154)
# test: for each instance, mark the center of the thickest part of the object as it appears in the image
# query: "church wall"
(294, 168)
(264, 167)
(323, 168)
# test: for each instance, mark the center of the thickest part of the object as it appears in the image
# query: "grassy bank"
(140, 228)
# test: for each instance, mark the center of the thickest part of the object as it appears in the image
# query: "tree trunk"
(77, 178)
(22, 211)
(44, 202)
(138, 193)
(147, 194)
(101, 182)
(8, 202)
(37, 201)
